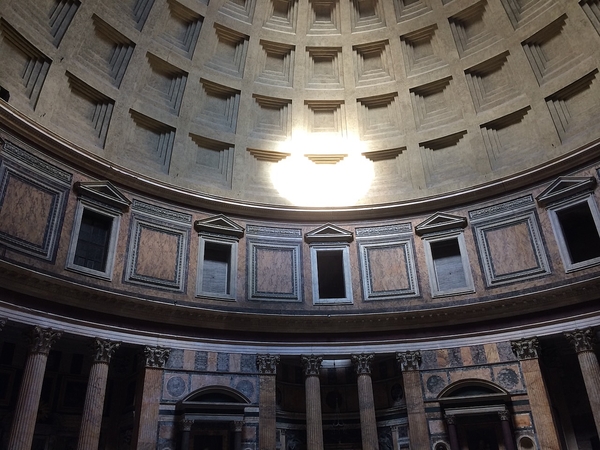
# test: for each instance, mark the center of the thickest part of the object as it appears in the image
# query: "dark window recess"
(580, 232)
(448, 265)
(92, 242)
(217, 263)
(76, 364)
(330, 271)
(7, 354)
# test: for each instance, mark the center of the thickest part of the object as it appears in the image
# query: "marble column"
(507, 434)
(526, 351)
(366, 403)
(583, 342)
(23, 425)
(418, 432)
(148, 400)
(452, 432)
(267, 401)
(91, 420)
(186, 427)
(314, 420)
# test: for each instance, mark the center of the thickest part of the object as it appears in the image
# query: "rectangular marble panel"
(150, 236)
(274, 271)
(511, 248)
(388, 269)
(33, 196)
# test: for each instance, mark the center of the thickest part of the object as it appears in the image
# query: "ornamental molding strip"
(440, 222)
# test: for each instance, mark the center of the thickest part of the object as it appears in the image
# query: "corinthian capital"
(2, 322)
(582, 340)
(41, 339)
(156, 357)
(526, 348)
(409, 360)
(312, 365)
(267, 364)
(363, 362)
(103, 349)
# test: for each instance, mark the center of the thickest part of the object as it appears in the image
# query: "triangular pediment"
(328, 233)
(440, 222)
(564, 187)
(219, 225)
(104, 192)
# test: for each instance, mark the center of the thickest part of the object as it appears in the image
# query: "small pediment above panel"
(328, 233)
(440, 222)
(564, 187)
(219, 225)
(104, 192)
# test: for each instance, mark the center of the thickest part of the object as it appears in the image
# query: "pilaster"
(418, 432)
(267, 431)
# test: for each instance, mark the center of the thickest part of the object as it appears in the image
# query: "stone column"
(186, 427)
(583, 341)
(527, 352)
(453, 433)
(366, 403)
(314, 420)
(418, 432)
(23, 425)
(395, 440)
(237, 434)
(267, 401)
(91, 420)
(507, 434)
(148, 400)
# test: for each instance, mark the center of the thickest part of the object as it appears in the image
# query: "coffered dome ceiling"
(352, 103)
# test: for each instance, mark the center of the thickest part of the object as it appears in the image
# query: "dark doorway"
(208, 442)
(482, 439)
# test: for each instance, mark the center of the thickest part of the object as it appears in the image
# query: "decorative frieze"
(409, 360)
(311, 365)
(526, 348)
(156, 357)
(267, 364)
(103, 349)
(582, 340)
(363, 363)
(41, 339)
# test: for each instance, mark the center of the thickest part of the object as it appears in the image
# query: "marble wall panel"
(158, 231)
(274, 270)
(388, 268)
(33, 197)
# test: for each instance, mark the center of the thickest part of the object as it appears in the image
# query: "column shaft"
(314, 423)
(509, 440)
(91, 420)
(454, 445)
(267, 431)
(23, 424)
(415, 407)
(21, 435)
(368, 422)
(591, 377)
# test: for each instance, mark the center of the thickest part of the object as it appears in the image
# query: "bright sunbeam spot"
(306, 183)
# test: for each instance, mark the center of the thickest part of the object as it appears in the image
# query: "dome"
(299, 224)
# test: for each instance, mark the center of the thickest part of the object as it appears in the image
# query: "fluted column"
(509, 440)
(186, 427)
(148, 401)
(23, 425)
(267, 401)
(527, 352)
(418, 432)
(314, 420)
(583, 341)
(452, 432)
(366, 403)
(91, 420)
